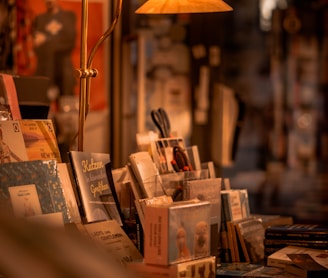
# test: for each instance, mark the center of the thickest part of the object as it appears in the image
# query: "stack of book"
(302, 235)
(242, 233)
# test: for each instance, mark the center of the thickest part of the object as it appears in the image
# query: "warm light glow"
(183, 6)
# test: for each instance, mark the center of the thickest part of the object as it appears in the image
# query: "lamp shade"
(183, 6)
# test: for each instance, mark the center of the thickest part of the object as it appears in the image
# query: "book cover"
(9, 106)
(68, 184)
(40, 140)
(93, 187)
(251, 231)
(232, 206)
(112, 237)
(305, 266)
(235, 269)
(43, 175)
(12, 145)
(177, 232)
(194, 158)
(281, 258)
(242, 245)
(274, 219)
(208, 190)
(232, 241)
(25, 200)
(298, 231)
(204, 267)
(244, 203)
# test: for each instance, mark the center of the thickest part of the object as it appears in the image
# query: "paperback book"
(281, 258)
(93, 189)
(109, 235)
(305, 266)
(40, 140)
(12, 145)
(32, 188)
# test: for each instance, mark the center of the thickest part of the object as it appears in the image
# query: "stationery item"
(161, 120)
(180, 160)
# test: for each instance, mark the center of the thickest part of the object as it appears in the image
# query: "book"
(244, 254)
(68, 185)
(32, 188)
(237, 270)
(298, 231)
(232, 241)
(224, 250)
(110, 235)
(208, 190)
(276, 244)
(251, 235)
(93, 189)
(121, 178)
(274, 219)
(177, 232)
(305, 266)
(9, 106)
(173, 183)
(281, 258)
(110, 178)
(204, 267)
(12, 145)
(232, 205)
(194, 158)
(146, 174)
(244, 203)
(40, 140)
(209, 166)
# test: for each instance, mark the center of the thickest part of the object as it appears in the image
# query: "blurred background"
(248, 87)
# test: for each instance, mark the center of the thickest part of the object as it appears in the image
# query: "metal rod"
(86, 72)
(83, 69)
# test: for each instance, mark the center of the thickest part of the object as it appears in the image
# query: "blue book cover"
(39, 174)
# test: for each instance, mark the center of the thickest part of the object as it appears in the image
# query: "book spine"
(77, 189)
(277, 243)
(225, 252)
(288, 235)
(233, 242)
(276, 263)
(242, 244)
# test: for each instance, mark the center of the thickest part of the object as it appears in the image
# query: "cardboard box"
(177, 232)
